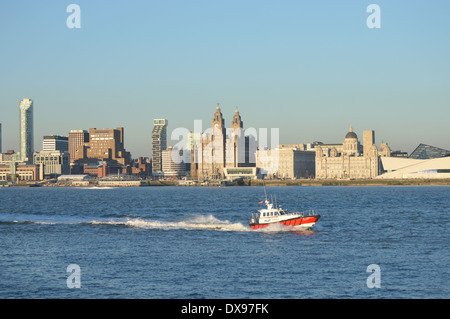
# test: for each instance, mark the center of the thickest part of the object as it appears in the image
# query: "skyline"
(311, 69)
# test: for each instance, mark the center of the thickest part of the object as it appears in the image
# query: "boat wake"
(196, 222)
(192, 222)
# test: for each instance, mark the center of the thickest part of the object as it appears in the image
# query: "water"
(181, 242)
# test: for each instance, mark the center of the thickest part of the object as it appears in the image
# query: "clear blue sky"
(310, 68)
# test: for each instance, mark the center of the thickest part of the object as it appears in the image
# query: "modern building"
(26, 129)
(172, 164)
(54, 162)
(410, 168)
(424, 151)
(77, 138)
(350, 160)
(159, 144)
(55, 143)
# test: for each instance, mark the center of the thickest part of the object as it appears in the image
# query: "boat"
(275, 214)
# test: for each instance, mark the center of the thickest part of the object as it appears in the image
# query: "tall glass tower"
(159, 143)
(26, 129)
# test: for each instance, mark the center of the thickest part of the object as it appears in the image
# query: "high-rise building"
(107, 145)
(77, 138)
(26, 129)
(55, 143)
(159, 143)
(171, 165)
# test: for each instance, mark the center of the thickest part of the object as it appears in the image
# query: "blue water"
(181, 242)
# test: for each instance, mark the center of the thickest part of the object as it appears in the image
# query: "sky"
(310, 68)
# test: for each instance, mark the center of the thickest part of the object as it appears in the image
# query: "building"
(173, 164)
(0, 138)
(159, 144)
(19, 171)
(104, 145)
(350, 160)
(55, 143)
(26, 129)
(54, 162)
(424, 151)
(77, 138)
(142, 166)
(410, 168)
(286, 162)
(222, 148)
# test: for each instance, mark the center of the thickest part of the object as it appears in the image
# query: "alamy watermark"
(374, 279)
(374, 19)
(74, 278)
(217, 145)
(74, 19)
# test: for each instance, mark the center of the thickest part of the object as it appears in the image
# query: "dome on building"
(351, 134)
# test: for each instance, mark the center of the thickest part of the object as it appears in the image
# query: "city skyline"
(310, 69)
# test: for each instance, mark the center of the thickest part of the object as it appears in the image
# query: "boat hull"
(297, 222)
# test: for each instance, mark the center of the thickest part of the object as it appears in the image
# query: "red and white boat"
(277, 215)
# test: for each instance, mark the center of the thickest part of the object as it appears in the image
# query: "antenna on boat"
(265, 194)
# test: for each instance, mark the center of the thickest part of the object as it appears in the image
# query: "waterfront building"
(19, 171)
(411, 168)
(142, 166)
(159, 144)
(77, 138)
(55, 143)
(350, 160)
(286, 162)
(53, 162)
(104, 145)
(222, 148)
(103, 169)
(26, 129)
(172, 163)
(424, 151)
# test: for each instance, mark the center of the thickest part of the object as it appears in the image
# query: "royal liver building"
(220, 148)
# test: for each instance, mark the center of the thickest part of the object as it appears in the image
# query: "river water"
(195, 242)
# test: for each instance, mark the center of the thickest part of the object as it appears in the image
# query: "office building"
(172, 164)
(104, 145)
(19, 171)
(26, 129)
(55, 143)
(286, 162)
(53, 162)
(159, 144)
(77, 138)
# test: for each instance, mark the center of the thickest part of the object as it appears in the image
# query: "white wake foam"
(196, 222)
